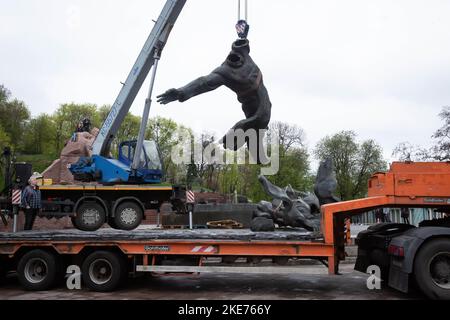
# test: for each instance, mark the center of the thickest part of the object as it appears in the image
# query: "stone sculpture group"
(291, 208)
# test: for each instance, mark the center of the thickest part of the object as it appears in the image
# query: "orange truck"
(403, 253)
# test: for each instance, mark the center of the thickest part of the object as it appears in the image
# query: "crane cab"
(118, 171)
(150, 165)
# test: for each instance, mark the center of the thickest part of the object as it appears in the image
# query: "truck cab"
(407, 255)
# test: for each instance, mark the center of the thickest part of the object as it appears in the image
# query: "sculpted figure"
(287, 209)
(326, 183)
(240, 74)
(291, 208)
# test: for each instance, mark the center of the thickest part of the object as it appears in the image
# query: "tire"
(128, 216)
(103, 271)
(90, 217)
(432, 269)
(38, 270)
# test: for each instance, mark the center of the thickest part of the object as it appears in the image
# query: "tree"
(4, 94)
(161, 130)
(205, 171)
(289, 135)
(66, 119)
(294, 164)
(441, 151)
(13, 116)
(406, 151)
(129, 129)
(354, 162)
(38, 136)
(5, 140)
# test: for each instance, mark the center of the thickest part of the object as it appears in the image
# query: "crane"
(138, 160)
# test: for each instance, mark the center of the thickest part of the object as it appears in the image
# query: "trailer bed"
(108, 235)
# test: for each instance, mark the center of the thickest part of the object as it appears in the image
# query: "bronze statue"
(326, 183)
(291, 208)
(240, 74)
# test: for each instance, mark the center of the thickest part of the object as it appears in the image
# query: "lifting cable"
(245, 10)
(242, 26)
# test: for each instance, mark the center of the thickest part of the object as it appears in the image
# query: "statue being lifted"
(291, 208)
(240, 74)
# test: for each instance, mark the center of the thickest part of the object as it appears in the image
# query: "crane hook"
(242, 26)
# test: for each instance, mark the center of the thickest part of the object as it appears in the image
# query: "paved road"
(349, 285)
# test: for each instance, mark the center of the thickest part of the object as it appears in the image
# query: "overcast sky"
(380, 68)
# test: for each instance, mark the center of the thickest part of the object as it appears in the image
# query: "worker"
(405, 215)
(31, 202)
(240, 74)
(84, 125)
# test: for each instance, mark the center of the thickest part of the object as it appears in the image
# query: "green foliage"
(40, 162)
(294, 171)
(294, 167)
(354, 162)
(13, 117)
(162, 130)
(5, 140)
(129, 130)
(4, 93)
(38, 136)
(67, 117)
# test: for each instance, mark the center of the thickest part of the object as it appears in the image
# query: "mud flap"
(398, 279)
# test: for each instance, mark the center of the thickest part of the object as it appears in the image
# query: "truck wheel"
(432, 269)
(90, 217)
(103, 271)
(37, 270)
(128, 216)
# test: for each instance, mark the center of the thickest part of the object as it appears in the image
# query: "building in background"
(417, 215)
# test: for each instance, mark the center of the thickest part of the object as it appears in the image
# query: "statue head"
(241, 46)
(240, 49)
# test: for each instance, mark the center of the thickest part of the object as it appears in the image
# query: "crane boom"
(145, 61)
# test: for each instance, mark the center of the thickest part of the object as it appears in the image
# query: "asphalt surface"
(350, 285)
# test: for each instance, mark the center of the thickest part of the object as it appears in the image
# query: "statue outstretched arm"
(195, 88)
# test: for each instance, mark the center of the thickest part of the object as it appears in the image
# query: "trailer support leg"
(15, 218)
(333, 265)
(145, 260)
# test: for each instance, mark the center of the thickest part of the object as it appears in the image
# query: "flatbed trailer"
(35, 254)
(106, 256)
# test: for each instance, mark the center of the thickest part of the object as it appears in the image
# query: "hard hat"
(35, 176)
